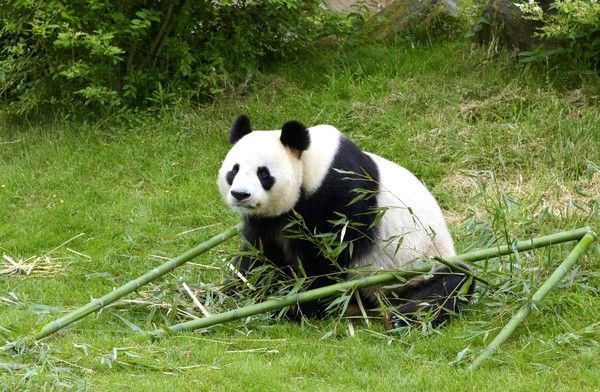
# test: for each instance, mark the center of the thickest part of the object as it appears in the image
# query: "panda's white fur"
(324, 142)
(412, 215)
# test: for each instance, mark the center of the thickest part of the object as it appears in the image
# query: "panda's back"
(412, 217)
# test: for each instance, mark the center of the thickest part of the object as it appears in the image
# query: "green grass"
(509, 152)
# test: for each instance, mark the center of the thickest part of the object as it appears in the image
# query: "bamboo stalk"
(374, 280)
(133, 285)
(99, 303)
(297, 298)
(457, 268)
(537, 297)
(521, 246)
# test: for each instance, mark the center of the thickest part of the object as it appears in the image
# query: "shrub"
(573, 26)
(107, 54)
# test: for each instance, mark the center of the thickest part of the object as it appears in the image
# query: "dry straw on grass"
(44, 265)
(35, 265)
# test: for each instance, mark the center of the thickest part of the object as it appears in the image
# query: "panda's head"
(262, 173)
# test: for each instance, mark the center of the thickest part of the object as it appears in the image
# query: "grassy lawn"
(510, 153)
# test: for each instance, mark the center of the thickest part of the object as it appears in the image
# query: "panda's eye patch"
(266, 180)
(231, 173)
(263, 173)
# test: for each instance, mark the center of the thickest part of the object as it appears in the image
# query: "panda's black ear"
(239, 129)
(295, 136)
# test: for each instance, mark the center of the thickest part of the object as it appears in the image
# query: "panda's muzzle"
(239, 196)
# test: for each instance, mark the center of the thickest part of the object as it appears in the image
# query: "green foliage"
(107, 54)
(438, 25)
(573, 25)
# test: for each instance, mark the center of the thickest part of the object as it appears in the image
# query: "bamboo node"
(98, 302)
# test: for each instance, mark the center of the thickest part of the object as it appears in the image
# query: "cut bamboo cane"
(537, 297)
(522, 246)
(297, 298)
(133, 285)
(374, 280)
(99, 303)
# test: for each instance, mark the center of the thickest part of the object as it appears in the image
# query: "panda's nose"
(240, 195)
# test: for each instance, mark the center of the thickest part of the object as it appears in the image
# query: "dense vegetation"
(107, 54)
(572, 27)
(105, 57)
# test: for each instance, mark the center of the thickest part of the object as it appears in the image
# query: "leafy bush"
(572, 25)
(107, 54)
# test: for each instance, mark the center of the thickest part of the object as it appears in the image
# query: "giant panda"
(317, 173)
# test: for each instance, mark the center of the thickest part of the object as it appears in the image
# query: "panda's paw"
(394, 322)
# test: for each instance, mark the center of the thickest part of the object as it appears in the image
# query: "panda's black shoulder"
(351, 169)
(349, 155)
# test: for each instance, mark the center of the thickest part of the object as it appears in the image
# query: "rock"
(504, 22)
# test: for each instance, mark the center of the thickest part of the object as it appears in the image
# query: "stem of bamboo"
(297, 298)
(537, 297)
(382, 278)
(135, 284)
(457, 268)
(521, 246)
